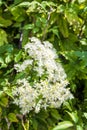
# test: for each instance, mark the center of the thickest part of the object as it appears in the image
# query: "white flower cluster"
(50, 92)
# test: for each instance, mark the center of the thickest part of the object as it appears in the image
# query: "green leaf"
(78, 127)
(43, 114)
(63, 125)
(81, 1)
(55, 31)
(0, 2)
(25, 37)
(48, 3)
(32, 6)
(28, 26)
(1, 60)
(3, 37)
(63, 27)
(35, 30)
(18, 13)
(60, 8)
(12, 117)
(68, 105)
(6, 48)
(8, 92)
(3, 101)
(55, 114)
(71, 16)
(25, 4)
(35, 124)
(8, 58)
(5, 22)
(20, 75)
(73, 116)
(18, 56)
(2, 63)
(85, 114)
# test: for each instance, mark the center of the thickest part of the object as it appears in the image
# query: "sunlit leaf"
(73, 116)
(78, 127)
(63, 125)
(12, 117)
(3, 37)
(18, 56)
(85, 114)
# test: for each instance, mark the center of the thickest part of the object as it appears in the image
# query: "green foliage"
(62, 22)
(12, 117)
(3, 37)
(63, 125)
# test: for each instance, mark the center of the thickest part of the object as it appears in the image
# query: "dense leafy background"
(63, 23)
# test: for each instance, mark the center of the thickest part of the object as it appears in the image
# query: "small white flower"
(47, 44)
(23, 66)
(50, 91)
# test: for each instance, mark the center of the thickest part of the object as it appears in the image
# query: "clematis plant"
(45, 81)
